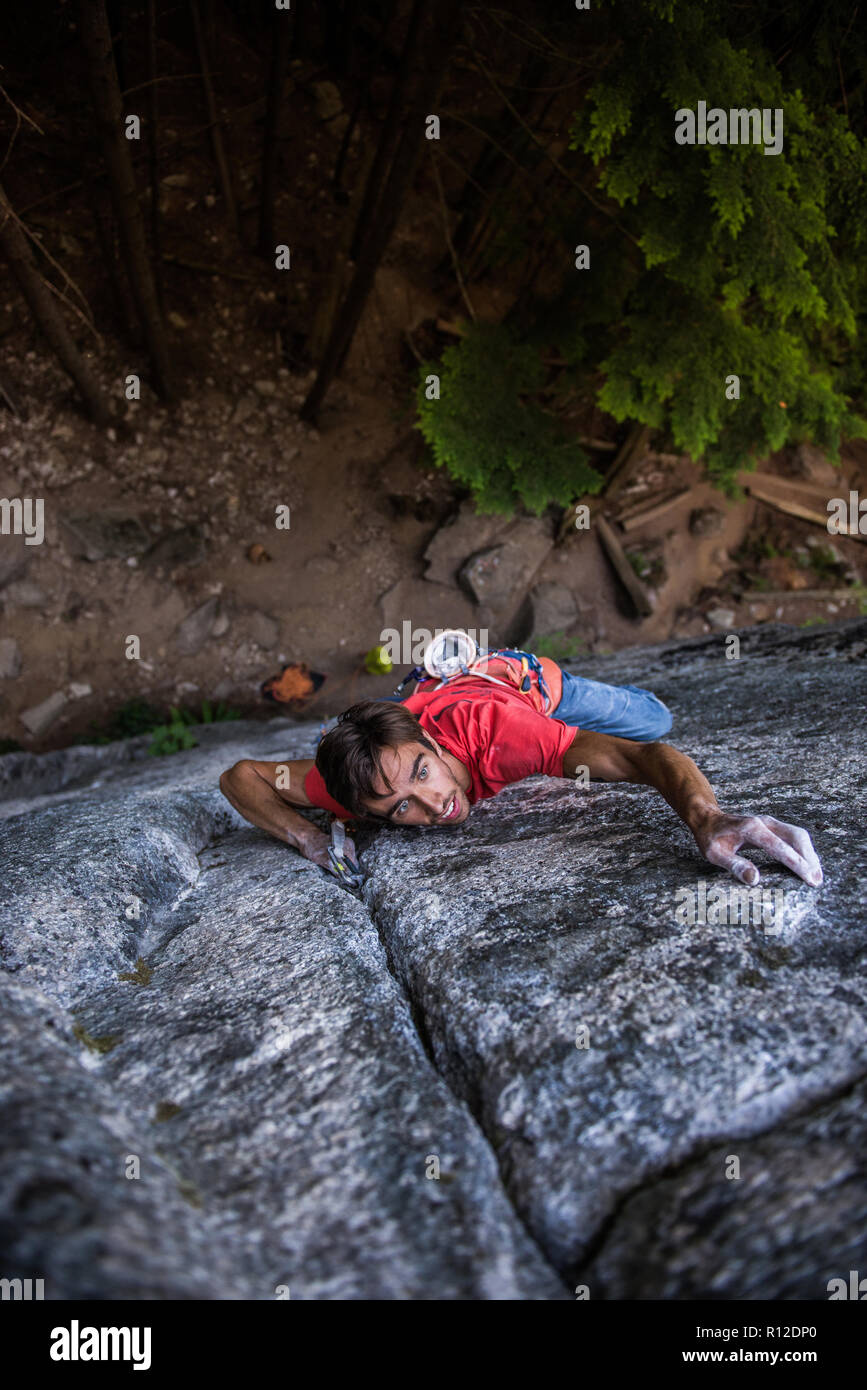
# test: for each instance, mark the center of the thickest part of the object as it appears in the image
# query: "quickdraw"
(344, 864)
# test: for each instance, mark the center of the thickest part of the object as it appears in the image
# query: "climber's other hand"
(314, 844)
(721, 835)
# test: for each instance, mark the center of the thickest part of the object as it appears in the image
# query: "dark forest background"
(306, 128)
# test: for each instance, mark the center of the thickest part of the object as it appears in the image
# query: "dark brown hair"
(348, 758)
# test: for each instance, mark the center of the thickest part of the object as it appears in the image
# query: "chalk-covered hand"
(313, 844)
(721, 835)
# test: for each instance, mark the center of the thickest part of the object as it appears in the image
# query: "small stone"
(192, 634)
(39, 717)
(25, 594)
(176, 320)
(706, 521)
(721, 619)
(244, 408)
(265, 388)
(10, 658)
(329, 102)
(78, 691)
(221, 624)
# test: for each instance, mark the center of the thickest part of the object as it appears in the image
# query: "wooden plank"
(780, 595)
(630, 455)
(790, 505)
(622, 568)
(639, 518)
(788, 487)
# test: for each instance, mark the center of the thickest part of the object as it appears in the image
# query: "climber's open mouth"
(452, 810)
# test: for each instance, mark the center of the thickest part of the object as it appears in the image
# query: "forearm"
(677, 778)
(262, 806)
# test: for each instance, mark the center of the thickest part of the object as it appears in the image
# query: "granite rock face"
(230, 1078)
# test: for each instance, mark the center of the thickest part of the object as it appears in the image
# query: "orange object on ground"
(295, 682)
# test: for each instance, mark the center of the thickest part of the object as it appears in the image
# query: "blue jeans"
(624, 710)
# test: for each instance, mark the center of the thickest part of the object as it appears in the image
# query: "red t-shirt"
(492, 729)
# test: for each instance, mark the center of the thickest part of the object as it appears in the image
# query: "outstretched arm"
(265, 795)
(718, 834)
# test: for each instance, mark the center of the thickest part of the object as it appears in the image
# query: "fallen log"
(622, 568)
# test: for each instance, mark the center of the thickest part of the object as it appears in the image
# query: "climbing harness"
(453, 654)
(344, 864)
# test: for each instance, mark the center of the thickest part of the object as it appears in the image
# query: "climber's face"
(429, 787)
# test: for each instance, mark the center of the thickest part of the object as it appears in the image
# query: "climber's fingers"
(722, 851)
(801, 841)
(788, 844)
(779, 841)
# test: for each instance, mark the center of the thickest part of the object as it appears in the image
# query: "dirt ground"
(203, 481)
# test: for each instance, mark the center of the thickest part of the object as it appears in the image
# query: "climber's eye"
(402, 807)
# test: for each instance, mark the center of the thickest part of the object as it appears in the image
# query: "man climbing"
(426, 761)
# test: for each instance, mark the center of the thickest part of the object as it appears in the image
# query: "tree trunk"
(492, 167)
(391, 130)
(280, 22)
(153, 146)
(127, 322)
(108, 108)
(44, 309)
(443, 32)
(363, 96)
(216, 124)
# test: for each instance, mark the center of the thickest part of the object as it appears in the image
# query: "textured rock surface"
(286, 1063)
(183, 990)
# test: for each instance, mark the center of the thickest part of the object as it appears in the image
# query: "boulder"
(466, 533)
(514, 1006)
(498, 577)
(197, 627)
(554, 608)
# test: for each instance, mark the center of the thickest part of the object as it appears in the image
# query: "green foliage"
(175, 736)
(490, 433)
(172, 737)
(557, 646)
(134, 718)
(859, 593)
(138, 717)
(747, 264)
